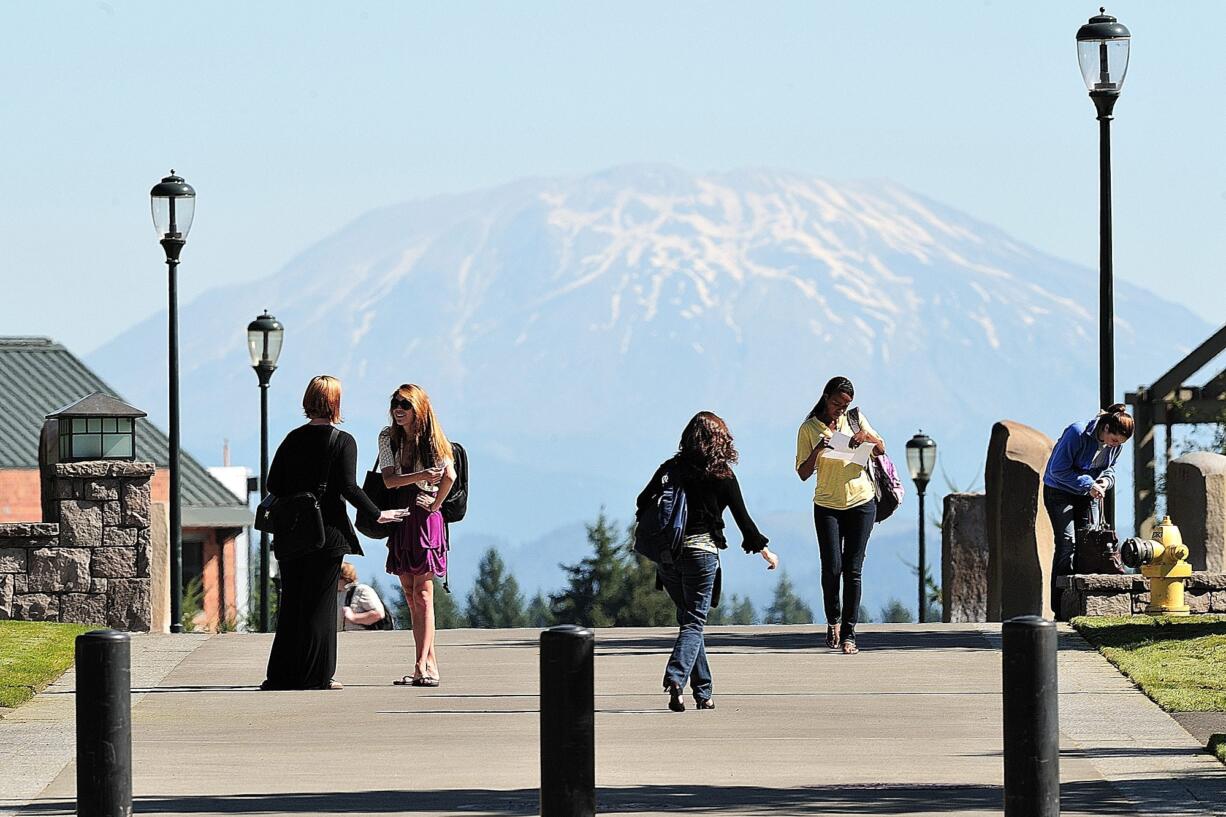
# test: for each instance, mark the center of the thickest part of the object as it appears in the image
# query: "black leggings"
(842, 539)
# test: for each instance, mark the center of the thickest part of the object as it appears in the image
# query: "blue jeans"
(690, 582)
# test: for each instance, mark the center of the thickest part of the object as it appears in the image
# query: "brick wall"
(19, 495)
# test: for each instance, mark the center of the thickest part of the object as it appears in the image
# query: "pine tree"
(538, 613)
(895, 612)
(447, 614)
(495, 600)
(642, 604)
(787, 607)
(596, 585)
(735, 610)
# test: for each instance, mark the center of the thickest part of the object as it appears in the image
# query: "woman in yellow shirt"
(844, 504)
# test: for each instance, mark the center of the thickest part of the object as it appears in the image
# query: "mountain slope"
(567, 329)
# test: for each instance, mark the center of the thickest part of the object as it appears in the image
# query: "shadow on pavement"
(1088, 798)
(805, 641)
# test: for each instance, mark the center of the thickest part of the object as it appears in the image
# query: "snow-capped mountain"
(567, 329)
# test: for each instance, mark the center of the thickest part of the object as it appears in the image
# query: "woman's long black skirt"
(304, 650)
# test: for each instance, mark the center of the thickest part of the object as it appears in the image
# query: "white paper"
(840, 449)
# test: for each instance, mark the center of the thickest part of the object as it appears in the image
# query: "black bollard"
(104, 724)
(1032, 718)
(568, 742)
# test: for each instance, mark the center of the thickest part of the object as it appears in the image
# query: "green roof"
(41, 376)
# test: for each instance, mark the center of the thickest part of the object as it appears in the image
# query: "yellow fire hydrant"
(1164, 561)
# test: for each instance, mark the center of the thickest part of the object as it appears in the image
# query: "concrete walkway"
(910, 726)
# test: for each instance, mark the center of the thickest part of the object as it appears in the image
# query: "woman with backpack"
(702, 467)
(360, 605)
(312, 456)
(844, 505)
(414, 454)
(1080, 471)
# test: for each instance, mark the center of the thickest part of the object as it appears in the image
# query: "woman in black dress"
(304, 650)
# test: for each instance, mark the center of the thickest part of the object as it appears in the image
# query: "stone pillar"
(964, 558)
(1020, 542)
(104, 526)
(1196, 502)
(159, 566)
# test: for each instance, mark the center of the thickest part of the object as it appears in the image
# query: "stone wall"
(964, 558)
(93, 566)
(1196, 502)
(1127, 595)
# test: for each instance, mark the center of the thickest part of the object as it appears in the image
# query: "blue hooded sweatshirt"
(1069, 468)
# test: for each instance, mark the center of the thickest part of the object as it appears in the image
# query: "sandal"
(849, 646)
(335, 685)
(704, 703)
(674, 698)
(406, 681)
(832, 636)
(425, 681)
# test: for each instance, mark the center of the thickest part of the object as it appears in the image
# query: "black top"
(298, 466)
(706, 498)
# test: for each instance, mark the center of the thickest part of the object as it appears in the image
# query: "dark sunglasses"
(402, 403)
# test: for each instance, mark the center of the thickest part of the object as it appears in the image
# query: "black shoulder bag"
(296, 521)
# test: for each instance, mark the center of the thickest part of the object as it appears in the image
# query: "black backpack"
(456, 503)
(388, 621)
(659, 529)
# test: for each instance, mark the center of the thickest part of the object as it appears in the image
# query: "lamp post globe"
(921, 461)
(173, 203)
(1103, 45)
(265, 335)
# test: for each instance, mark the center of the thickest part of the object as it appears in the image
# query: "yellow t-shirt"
(840, 485)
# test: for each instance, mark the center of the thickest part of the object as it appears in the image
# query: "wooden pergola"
(1170, 402)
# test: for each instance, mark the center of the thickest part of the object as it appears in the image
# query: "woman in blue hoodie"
(1080, 471)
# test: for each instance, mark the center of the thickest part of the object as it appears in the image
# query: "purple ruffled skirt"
(418, 545)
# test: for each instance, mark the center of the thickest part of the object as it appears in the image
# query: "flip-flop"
(849, 647)
(406, 681)
(426, 681)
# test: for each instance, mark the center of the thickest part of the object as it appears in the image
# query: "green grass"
(1179, 662)
(32, 655)
(1217, 747)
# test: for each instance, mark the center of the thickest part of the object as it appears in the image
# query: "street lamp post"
(264, 337)
(921, 459)
(1102, 53)
(174, 204)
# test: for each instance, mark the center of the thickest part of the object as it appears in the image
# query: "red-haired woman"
(415, 454)
(304, 650)
(703, 467)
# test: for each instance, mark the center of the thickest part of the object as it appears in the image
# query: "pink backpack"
(881, 470)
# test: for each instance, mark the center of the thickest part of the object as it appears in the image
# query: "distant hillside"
(567, 329)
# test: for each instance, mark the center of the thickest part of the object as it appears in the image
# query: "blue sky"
(291, 119)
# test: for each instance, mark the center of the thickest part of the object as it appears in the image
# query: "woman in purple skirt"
(415, 455)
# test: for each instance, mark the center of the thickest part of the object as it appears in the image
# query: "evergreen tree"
(642, 605)
(865, 617)
(596, 585)
(538, 613)
(787, 607)
(895, 612)
(447, 614)
(398, 606)
(495, 600)
(735, 610)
